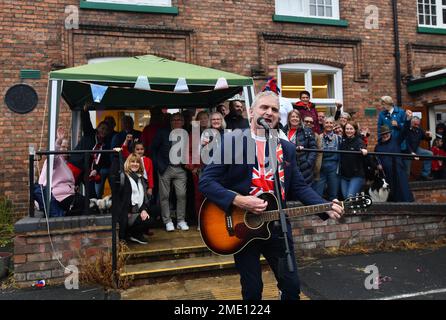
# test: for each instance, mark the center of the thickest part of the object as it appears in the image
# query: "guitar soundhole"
(253, 221)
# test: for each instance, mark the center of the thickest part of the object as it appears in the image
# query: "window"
(326, 9)
(149, 6)
(161, 3)
(432, 13)
(323, 82)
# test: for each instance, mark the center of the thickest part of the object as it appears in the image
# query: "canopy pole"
(55, 88)
(248, 92)
(75, 127)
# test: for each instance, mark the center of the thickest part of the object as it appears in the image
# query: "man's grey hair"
(415, 118)
(345, 115)
(330, 118)
(265, 94)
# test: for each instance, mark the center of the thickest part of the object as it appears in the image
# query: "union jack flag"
(262, 179)
(261, 182)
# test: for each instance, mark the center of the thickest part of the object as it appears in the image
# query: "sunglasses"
(306, 121)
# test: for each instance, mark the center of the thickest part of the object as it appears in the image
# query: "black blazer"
(160, 150)
(124, 203)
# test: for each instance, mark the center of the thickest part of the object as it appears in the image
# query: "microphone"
(261, 122)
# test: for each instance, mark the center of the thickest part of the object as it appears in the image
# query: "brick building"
(338, 50)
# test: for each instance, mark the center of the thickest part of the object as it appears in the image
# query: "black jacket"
(305, 160)
(352, 165)
(234, 121)
(124, 203)
(414, 136)
(160, 150)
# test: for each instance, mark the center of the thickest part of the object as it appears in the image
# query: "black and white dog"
(379, 189)
(103, 205)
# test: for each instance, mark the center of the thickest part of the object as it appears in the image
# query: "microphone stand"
(282, 215)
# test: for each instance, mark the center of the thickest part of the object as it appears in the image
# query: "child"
(438, 165)
(148, 171)
(148, 167)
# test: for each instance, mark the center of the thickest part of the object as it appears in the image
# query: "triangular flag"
(142, 83)
(181, 85)
(221, 84)
(98, 92)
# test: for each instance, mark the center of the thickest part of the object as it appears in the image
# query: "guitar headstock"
(358, 203)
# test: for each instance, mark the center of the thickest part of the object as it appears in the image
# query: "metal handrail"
(114, 208)
(390, 154)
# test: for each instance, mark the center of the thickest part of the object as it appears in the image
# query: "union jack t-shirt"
(262, 177)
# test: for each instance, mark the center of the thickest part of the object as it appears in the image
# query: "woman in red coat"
(308, 109)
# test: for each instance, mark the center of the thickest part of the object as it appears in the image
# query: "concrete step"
(214, 287)
(175, 255)
(178, 266)
(167, 246)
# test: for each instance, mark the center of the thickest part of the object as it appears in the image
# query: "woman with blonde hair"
(391, 116)
(133, 202)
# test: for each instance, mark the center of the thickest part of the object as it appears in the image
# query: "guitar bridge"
(229, 225)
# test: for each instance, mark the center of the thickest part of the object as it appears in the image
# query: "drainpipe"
(397, 54)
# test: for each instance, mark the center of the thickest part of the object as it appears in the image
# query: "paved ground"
(57, 293)
(417, 274)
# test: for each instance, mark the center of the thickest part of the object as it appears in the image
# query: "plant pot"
(5, 259)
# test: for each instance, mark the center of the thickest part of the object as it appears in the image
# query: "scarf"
(137, 189)
(279, 154)
(263, 181)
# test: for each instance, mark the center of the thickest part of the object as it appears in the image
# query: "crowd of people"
(156, 190)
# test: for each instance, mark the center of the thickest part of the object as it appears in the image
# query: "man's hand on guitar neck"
(337, 211)
(250, 203)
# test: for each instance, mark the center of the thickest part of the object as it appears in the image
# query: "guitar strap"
(229, 224)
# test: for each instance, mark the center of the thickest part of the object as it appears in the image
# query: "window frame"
(129, 5)
(133, 2)
(308, 69)
(306, 10)
(439, 7)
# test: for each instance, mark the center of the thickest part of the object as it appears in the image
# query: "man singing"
(231, 184)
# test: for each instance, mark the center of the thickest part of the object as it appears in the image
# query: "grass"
(6, 222)
(387, 246)
(99, 271)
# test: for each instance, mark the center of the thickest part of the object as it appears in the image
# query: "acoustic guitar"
(226, 236)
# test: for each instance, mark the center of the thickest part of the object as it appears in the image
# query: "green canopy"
(162, 74)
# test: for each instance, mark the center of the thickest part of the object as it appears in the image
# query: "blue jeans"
(39, 196)
(329, 177)
(351, 186)
(99, 187)
(427, 164)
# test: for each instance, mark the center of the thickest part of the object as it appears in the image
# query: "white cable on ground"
(54, 253)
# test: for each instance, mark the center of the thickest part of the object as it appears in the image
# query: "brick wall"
(382, 222)
(72, 238)
(430, 196)
(236, 36)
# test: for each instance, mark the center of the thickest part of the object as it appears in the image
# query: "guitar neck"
(298, 211)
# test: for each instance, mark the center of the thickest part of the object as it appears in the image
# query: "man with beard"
(235, 120)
